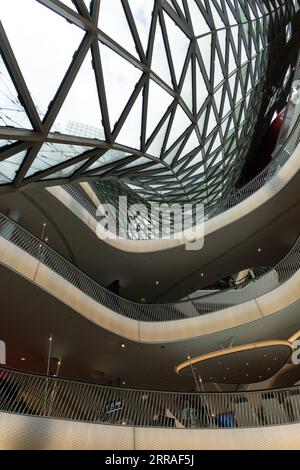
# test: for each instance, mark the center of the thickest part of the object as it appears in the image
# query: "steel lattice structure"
(168, 93)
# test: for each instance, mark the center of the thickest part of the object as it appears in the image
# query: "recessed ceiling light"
(259, 250)
(23, 358)
(123, 345)
(202, 274)
(123, 383)
(157, 283)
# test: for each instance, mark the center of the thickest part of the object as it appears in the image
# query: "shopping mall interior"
(149, 224)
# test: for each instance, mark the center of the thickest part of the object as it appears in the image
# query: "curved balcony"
(39, 411)
(153, 323)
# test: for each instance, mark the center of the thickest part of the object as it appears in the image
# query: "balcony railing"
(47, 396)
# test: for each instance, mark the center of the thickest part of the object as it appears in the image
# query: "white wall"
(19, 432)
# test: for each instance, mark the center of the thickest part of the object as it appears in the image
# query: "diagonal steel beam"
(18, 80)
(13, 149)
(67, 82)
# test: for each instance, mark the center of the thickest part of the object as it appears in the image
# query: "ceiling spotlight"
(123, 345)
(259, 250)
(202, 274)
(23, 358)
(157, 283)
(123, 383)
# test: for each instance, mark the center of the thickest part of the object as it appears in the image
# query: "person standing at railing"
(189, 416)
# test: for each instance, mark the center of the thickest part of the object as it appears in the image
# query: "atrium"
(149, 224)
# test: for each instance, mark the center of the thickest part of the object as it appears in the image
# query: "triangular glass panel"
(159, 63)
(69, 4)
(179, 44)
(111, 156)
(156, 146)
(192, 144)
(113, 22)
(38, 38)
(10, 166)
(230, 62)
(130, 134)
(187, 89)
(53, 154)
(205, 50)
(66, 172)
(202, 92)
(180, 123)
(219, 24)
(88, 4)
(199, 24)
(80, 113)
(142, 14)
(173, 153)
(158, 102)
(218, 72)
(4, 143)
(212, 122)
(120, 80)
(12, 112)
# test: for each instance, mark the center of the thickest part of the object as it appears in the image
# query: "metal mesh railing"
(37, 395)
(32, 245)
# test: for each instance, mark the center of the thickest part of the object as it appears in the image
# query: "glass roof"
(165, 95)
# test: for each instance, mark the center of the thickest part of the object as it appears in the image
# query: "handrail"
(54, 397)
(46, 255)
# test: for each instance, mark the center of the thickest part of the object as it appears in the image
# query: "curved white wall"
(18, 432)
(147, 332)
